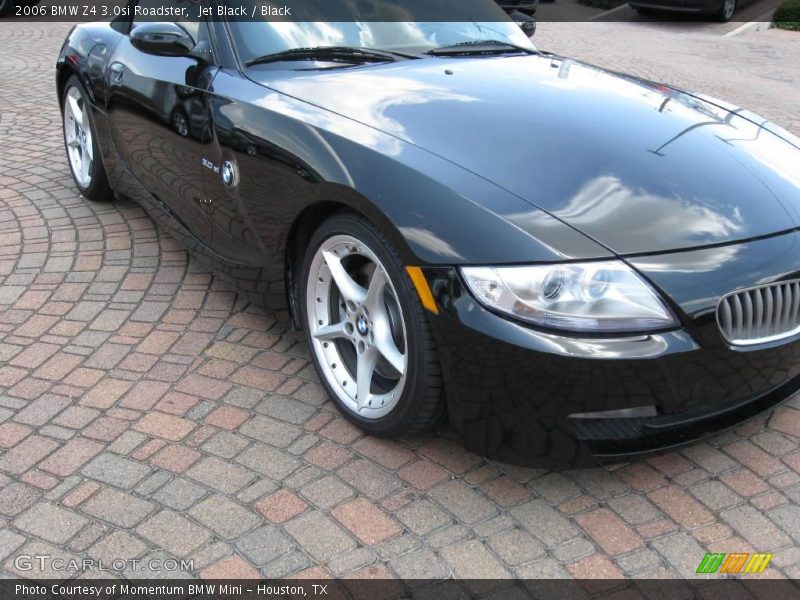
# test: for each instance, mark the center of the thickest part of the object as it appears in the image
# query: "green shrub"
(604, 4)
(788, 15)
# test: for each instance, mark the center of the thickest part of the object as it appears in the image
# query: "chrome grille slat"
(796, 307)
(737, 316)
(748, 312)
(724, 315)
(787, 308)
(760, 314)
(768, 316)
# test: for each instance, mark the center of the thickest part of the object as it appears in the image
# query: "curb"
(608, 12)
(761, 23)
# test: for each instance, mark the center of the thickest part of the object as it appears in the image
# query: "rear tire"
(367, 331)
(726, 11)
(80, 143)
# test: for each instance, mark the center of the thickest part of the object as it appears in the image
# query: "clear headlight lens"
(591, 297)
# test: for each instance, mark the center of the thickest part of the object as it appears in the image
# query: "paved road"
(566, 10)
(148, 411)
(760, 70)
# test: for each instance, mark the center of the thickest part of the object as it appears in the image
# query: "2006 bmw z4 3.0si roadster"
(567, 261)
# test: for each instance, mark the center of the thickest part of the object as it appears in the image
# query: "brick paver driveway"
(149, 411)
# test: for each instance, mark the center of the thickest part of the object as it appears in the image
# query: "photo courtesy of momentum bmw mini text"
(372, 299)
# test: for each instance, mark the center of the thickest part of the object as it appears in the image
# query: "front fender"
(293, 155)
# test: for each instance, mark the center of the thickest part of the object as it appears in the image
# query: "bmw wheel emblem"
(230, 175)
(362, 325)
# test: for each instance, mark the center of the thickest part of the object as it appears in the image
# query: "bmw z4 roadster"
(567, 262)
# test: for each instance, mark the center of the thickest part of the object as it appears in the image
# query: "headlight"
(590, 297)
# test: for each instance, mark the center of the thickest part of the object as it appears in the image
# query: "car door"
(233, 152)
(254, 185)
(159, 122)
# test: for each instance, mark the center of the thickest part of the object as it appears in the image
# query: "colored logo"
(735, 562)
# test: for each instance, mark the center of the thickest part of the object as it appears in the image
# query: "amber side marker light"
(423, 289)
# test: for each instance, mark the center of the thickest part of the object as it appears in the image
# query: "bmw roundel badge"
(230, 174)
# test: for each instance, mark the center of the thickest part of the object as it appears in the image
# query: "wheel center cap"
(361, 325)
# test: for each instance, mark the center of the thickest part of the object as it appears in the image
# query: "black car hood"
(637, 166)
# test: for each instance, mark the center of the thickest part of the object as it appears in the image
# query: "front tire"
(367, 330)
(80, 142)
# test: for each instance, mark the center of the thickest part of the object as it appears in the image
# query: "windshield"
(257, 39)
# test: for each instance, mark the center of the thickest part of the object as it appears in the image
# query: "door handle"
(117, 71)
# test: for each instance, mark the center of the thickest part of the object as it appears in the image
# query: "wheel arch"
(307, 222)
(63, 72)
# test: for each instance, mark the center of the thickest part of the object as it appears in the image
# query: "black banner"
(387, 589)
(382, 10)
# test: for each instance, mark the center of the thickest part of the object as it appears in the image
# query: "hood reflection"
(707, 261)
(371, 98)
(429, 240)
(601, 201)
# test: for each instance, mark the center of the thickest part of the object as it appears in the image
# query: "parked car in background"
(570, 263)
(527, 7)
(521, 12)
(721, 10)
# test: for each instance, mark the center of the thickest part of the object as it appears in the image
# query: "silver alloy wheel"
(728, 8)
(358, 333)
(78, 135)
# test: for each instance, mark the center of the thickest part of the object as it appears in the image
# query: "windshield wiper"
(333, 53)
(480, 47)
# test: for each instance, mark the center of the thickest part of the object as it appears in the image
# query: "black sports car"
(570, 262)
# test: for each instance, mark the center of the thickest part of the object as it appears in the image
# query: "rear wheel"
(80, 141)
(367, 330)
(726, 11)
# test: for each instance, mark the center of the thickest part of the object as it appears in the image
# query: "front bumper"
(513, 391)
(615, 439)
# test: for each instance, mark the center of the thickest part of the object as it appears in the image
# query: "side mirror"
(525, 22)
(162, 39)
